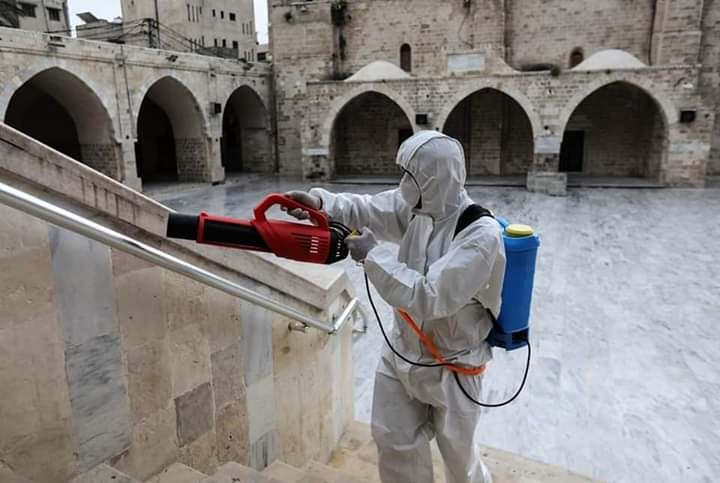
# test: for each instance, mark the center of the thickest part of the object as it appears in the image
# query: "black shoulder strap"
(471, 214)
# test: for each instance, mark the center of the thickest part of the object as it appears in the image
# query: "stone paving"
(625, 376)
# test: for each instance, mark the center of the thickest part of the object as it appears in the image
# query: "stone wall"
(107, 358)
(257, 152)
(495, 132)
(620, 127)
(102, 157)
(458, 50)
(191, 159)
(104, 86)
(378, 28)
(541, 31)
(547, 101)
(367, 136)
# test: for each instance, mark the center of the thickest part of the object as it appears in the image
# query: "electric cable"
(344, 229)
(457, 378)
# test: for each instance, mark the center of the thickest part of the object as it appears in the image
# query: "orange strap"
(430, 346)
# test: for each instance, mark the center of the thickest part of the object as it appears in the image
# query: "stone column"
(127, 169)
(544, 176)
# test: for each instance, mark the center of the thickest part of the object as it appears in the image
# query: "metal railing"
(70, 221)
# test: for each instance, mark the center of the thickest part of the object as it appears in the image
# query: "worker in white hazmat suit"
(445, 283)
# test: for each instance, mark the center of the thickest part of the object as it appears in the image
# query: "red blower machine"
(322, 242)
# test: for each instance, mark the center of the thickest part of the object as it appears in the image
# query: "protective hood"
(437, 163)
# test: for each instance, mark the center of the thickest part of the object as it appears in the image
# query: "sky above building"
(109, 9)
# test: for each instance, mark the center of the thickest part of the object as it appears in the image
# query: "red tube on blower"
(321, 242)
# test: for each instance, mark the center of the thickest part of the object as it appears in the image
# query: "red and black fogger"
(322, 242)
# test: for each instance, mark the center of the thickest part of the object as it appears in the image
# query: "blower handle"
(273, 199)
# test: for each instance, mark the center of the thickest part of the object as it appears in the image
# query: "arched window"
(576, 57)
(406, 58)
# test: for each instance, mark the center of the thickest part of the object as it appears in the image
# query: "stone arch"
(616, 128)
(366, 131)
(340, 102)
(666, 106)
(516, 95)
(58, 108)
(172, 134)
(246, 133)
(496, 133)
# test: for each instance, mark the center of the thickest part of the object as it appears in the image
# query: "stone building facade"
(212, 24)
(44, 16)
(533, 88)
(137, 114)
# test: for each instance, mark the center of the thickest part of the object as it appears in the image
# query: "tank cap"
(518, 231)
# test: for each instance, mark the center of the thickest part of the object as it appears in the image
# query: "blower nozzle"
(323, 242)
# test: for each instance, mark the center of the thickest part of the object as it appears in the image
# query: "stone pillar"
(688, 152)
(544, 176)
(216, 169)
(127, 167)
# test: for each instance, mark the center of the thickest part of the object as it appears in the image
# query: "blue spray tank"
(511, 329)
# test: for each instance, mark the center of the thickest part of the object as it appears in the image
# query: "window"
(252, 55)
(214, 13)
(232, 17)
(251, 26)
(222, 14)
(53, 14)
(202, 40)
(216, 43)
(27, 10)
(236, 45)
(225, 43)
(188, 9)
(576, 57)
(406, 58)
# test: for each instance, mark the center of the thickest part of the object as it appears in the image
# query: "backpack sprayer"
(324, 243)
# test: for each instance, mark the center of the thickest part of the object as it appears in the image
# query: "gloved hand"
(360, 245)
(304, 198)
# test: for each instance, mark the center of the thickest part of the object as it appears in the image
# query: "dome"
(610, 59)
(378, 70)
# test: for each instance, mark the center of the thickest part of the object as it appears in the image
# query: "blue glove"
(360, 245)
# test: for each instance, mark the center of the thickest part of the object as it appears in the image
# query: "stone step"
(284, 472)
(178, 473)
(9, 476)
(104, 474)
(357, 455)
(237, 473)
(319, 473)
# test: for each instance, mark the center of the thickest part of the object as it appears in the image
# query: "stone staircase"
(355, 461)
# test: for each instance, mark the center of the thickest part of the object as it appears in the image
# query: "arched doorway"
(247, 139)
(171, 143)
(60, 110)
(367, 134)
(617, 131)
(495, 132)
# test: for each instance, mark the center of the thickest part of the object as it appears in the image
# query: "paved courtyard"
(625, 377)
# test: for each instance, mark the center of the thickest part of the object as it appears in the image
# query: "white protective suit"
(445, 285)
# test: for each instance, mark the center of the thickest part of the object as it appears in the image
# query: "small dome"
(378, 70)
(610, 59)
